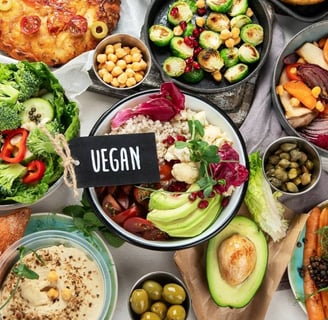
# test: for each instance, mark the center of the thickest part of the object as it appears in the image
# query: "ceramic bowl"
(309, 34)
(281, 153)
(121, 61)
(48, 238)
(162, 278)
(218, 118)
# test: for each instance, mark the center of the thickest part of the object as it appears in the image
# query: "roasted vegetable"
(180, 49)
(193, 76)
(252, 33)
(219, 5)
(217, 21)
(230, 56)
(239, 21)
(248, 53)
(210, 39)
(174, 66)
(178, 12)
(236, 73)
(238, 7)
(160, 34)
(210, 60)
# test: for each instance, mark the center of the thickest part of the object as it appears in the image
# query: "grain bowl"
(189, 229)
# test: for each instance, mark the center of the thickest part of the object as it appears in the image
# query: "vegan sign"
(115, 159)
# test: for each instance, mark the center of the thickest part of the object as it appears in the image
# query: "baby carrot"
(312, 299)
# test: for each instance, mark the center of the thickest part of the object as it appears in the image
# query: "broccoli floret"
(10, 116)
(5, 72)
(8, 174)
(8, 94)
(27, 81)
(39, 143)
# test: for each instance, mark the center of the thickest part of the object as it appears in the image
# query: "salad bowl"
(217, 118)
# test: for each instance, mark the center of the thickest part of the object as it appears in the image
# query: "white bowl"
(218, 118)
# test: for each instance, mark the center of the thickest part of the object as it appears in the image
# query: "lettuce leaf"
(262, 204)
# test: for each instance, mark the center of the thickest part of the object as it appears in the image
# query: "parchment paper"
(191, 264)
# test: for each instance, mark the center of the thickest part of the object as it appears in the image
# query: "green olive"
(153, 288)
(150, 316)
(159, 308)
(139, 301)
(99, 29)
(176, 312)
(173, 293)
(5, 5)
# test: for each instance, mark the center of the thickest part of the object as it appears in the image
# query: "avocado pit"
(236, 258)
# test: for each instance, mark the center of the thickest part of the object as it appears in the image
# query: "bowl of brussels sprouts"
(208, 46)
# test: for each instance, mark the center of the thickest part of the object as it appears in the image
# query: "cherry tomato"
(110, 205)
(165, 171)
(78, 25)
(30, 24)
(121, 217)
(141, 195)
(155, 234)
(137, 225)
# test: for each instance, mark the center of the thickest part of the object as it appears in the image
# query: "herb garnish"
(21, 270)
(202, 152)
(86, 221)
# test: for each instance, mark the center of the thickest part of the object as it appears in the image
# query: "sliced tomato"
(78, 25)
(141, 195)
(121, 217)
(165, 171)
(30, 24)
(155, 235)
(111, 206)
(137, 225)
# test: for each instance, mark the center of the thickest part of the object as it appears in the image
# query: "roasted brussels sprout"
(230, 56)
(210, 60)
(180, 49)
(179, 11)
(160, 35)
(189, 29)
(210, 39)
(219, 5)
(217, 21)
(174, 66)
(236, 73)
(238, 7)
(252, 33)
(193, 76)
(248, 53)
(239, 21)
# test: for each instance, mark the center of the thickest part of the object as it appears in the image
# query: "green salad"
(32, 105)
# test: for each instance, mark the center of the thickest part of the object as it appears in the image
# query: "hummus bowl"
(222, 217)
(76, 278)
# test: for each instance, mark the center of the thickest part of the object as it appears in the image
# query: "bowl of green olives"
(159, 295)
(291, 165)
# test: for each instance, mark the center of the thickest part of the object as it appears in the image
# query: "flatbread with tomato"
(54, 31)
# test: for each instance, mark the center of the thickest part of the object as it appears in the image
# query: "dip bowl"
(216, 117)
(102, 309)
(121, 61)
(291, 165)
(294, 127)
(153, 284)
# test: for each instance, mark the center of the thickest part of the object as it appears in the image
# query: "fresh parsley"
(85, 220)
(201, 152)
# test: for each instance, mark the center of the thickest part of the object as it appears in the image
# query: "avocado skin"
(223, 294)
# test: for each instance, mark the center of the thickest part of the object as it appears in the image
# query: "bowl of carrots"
(300, 86)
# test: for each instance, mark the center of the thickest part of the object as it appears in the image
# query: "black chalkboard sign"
(110, 160)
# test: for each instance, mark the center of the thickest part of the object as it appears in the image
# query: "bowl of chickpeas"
(121, 61)
(159, 295)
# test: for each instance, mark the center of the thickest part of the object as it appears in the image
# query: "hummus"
(70, 287)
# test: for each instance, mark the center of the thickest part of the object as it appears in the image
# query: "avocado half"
(223, 293)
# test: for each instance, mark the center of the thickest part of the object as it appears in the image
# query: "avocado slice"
(222, 291)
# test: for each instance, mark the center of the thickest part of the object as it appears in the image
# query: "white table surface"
(132, 262)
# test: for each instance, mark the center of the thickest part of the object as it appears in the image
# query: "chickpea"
(101, 58)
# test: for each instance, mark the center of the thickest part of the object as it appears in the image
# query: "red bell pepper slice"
(14, 153)
(35, 171)
(290, 70)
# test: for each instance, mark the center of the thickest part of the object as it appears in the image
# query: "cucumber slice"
(37, 110)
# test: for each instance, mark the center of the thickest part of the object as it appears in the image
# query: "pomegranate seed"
(211, 195)
(196, 51)
(196, 65)
(192, 196)
(200, 194)
(201, 11)
(188, 41)
(183, 25)
(188, 69)
(174, 12)
(189, 60)
(195, 44)
(196, 33)
(225, 201)
(203, 204)
(181, 138)
(170, 140)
